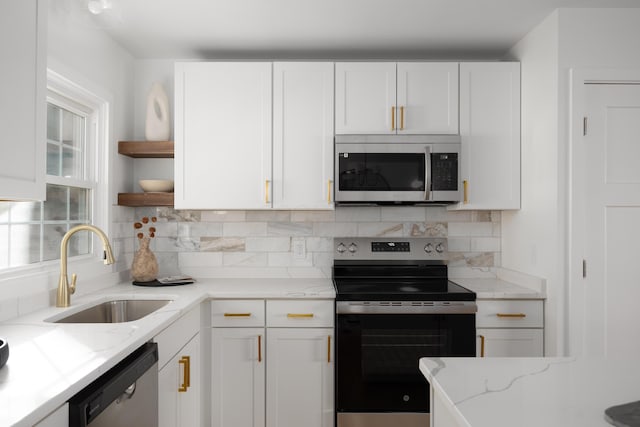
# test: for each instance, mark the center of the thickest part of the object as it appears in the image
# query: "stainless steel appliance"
(126, 395)
(394, 305)
(397, 169)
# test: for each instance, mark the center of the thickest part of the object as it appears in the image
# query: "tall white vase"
(157, 122)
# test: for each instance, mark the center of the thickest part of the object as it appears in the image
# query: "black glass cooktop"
(406, 282)
(374, 290)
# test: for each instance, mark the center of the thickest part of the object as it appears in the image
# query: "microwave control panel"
(444, 171)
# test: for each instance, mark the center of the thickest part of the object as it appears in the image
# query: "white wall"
(530, 237)
(80, 50)
(535, 238)
(148, 72)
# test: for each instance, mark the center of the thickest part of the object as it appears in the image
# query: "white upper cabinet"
(23, 33)
(303, 135)
(223, 135)
(365, 97)
(427, 99)
(490, 134)
(224, 153)
(402, 98)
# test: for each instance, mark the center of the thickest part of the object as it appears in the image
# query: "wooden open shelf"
(145, 199)
(149, 150)
(146, 149)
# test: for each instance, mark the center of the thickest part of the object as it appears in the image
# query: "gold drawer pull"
(402, 118)
(185, 361)
(237, 315)
(511, 315)
(482, 339)
(300, 315)
(329, 191)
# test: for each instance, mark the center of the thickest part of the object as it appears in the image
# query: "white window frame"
(65, 93)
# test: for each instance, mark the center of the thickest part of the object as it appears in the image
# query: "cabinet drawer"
(176, 335)
(509, 314)
(237, 313)
(299, 313)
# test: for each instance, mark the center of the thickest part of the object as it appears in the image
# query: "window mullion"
(41, 239)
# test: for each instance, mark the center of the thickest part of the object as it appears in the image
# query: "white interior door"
(612, 221)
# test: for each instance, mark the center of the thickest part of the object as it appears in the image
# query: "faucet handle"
(72, 286)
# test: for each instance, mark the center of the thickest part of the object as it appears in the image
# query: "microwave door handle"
(427, 172)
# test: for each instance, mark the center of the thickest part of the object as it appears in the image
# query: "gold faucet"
(65, 290)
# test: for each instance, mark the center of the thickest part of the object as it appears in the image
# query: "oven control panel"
(390, 247)
(410, 248)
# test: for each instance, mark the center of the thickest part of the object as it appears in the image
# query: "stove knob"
(353, 247)
(439, 248)
(428, 248)
(341, 248)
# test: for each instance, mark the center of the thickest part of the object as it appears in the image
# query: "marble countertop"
(51, 362)
(498, 289)
(532, 392)
(508, 284)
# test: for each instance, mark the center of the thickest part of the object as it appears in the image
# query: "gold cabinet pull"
(329, 191)
(393, 118)
(481, 345)
(259, 348)
(185, 361)
(266, 191)
(465, 190)
(299, 315)
(402, 117)
(328, 348)
(512, 315)
(237, 315)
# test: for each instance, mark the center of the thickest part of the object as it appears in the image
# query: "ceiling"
(330, 29)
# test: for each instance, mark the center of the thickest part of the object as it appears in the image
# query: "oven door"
(377, 358)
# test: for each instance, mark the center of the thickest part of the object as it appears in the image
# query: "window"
(30, 232)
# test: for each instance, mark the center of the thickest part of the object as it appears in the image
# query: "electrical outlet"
(299, 248)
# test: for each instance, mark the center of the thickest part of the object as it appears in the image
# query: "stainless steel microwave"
(397, 169)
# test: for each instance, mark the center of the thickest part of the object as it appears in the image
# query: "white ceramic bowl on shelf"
(156, 185)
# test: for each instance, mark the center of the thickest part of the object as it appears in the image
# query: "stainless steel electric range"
(394, 305)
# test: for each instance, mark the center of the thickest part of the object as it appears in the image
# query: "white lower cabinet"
(179, 372)
(510, 342)
(300, 377)
(272, 367)
(179, 388)
(238, 377)
(510, 328)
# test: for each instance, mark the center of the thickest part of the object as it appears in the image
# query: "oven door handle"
(358, 307)
(427, 172)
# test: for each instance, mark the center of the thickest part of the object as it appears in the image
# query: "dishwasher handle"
(91, 401)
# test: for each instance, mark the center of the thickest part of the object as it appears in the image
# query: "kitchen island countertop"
(529, 392)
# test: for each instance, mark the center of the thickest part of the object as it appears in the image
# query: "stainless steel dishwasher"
(126, 395)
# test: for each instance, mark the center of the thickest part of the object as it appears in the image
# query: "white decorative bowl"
(156, 185)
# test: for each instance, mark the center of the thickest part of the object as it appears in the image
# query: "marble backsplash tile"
(226, 243)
